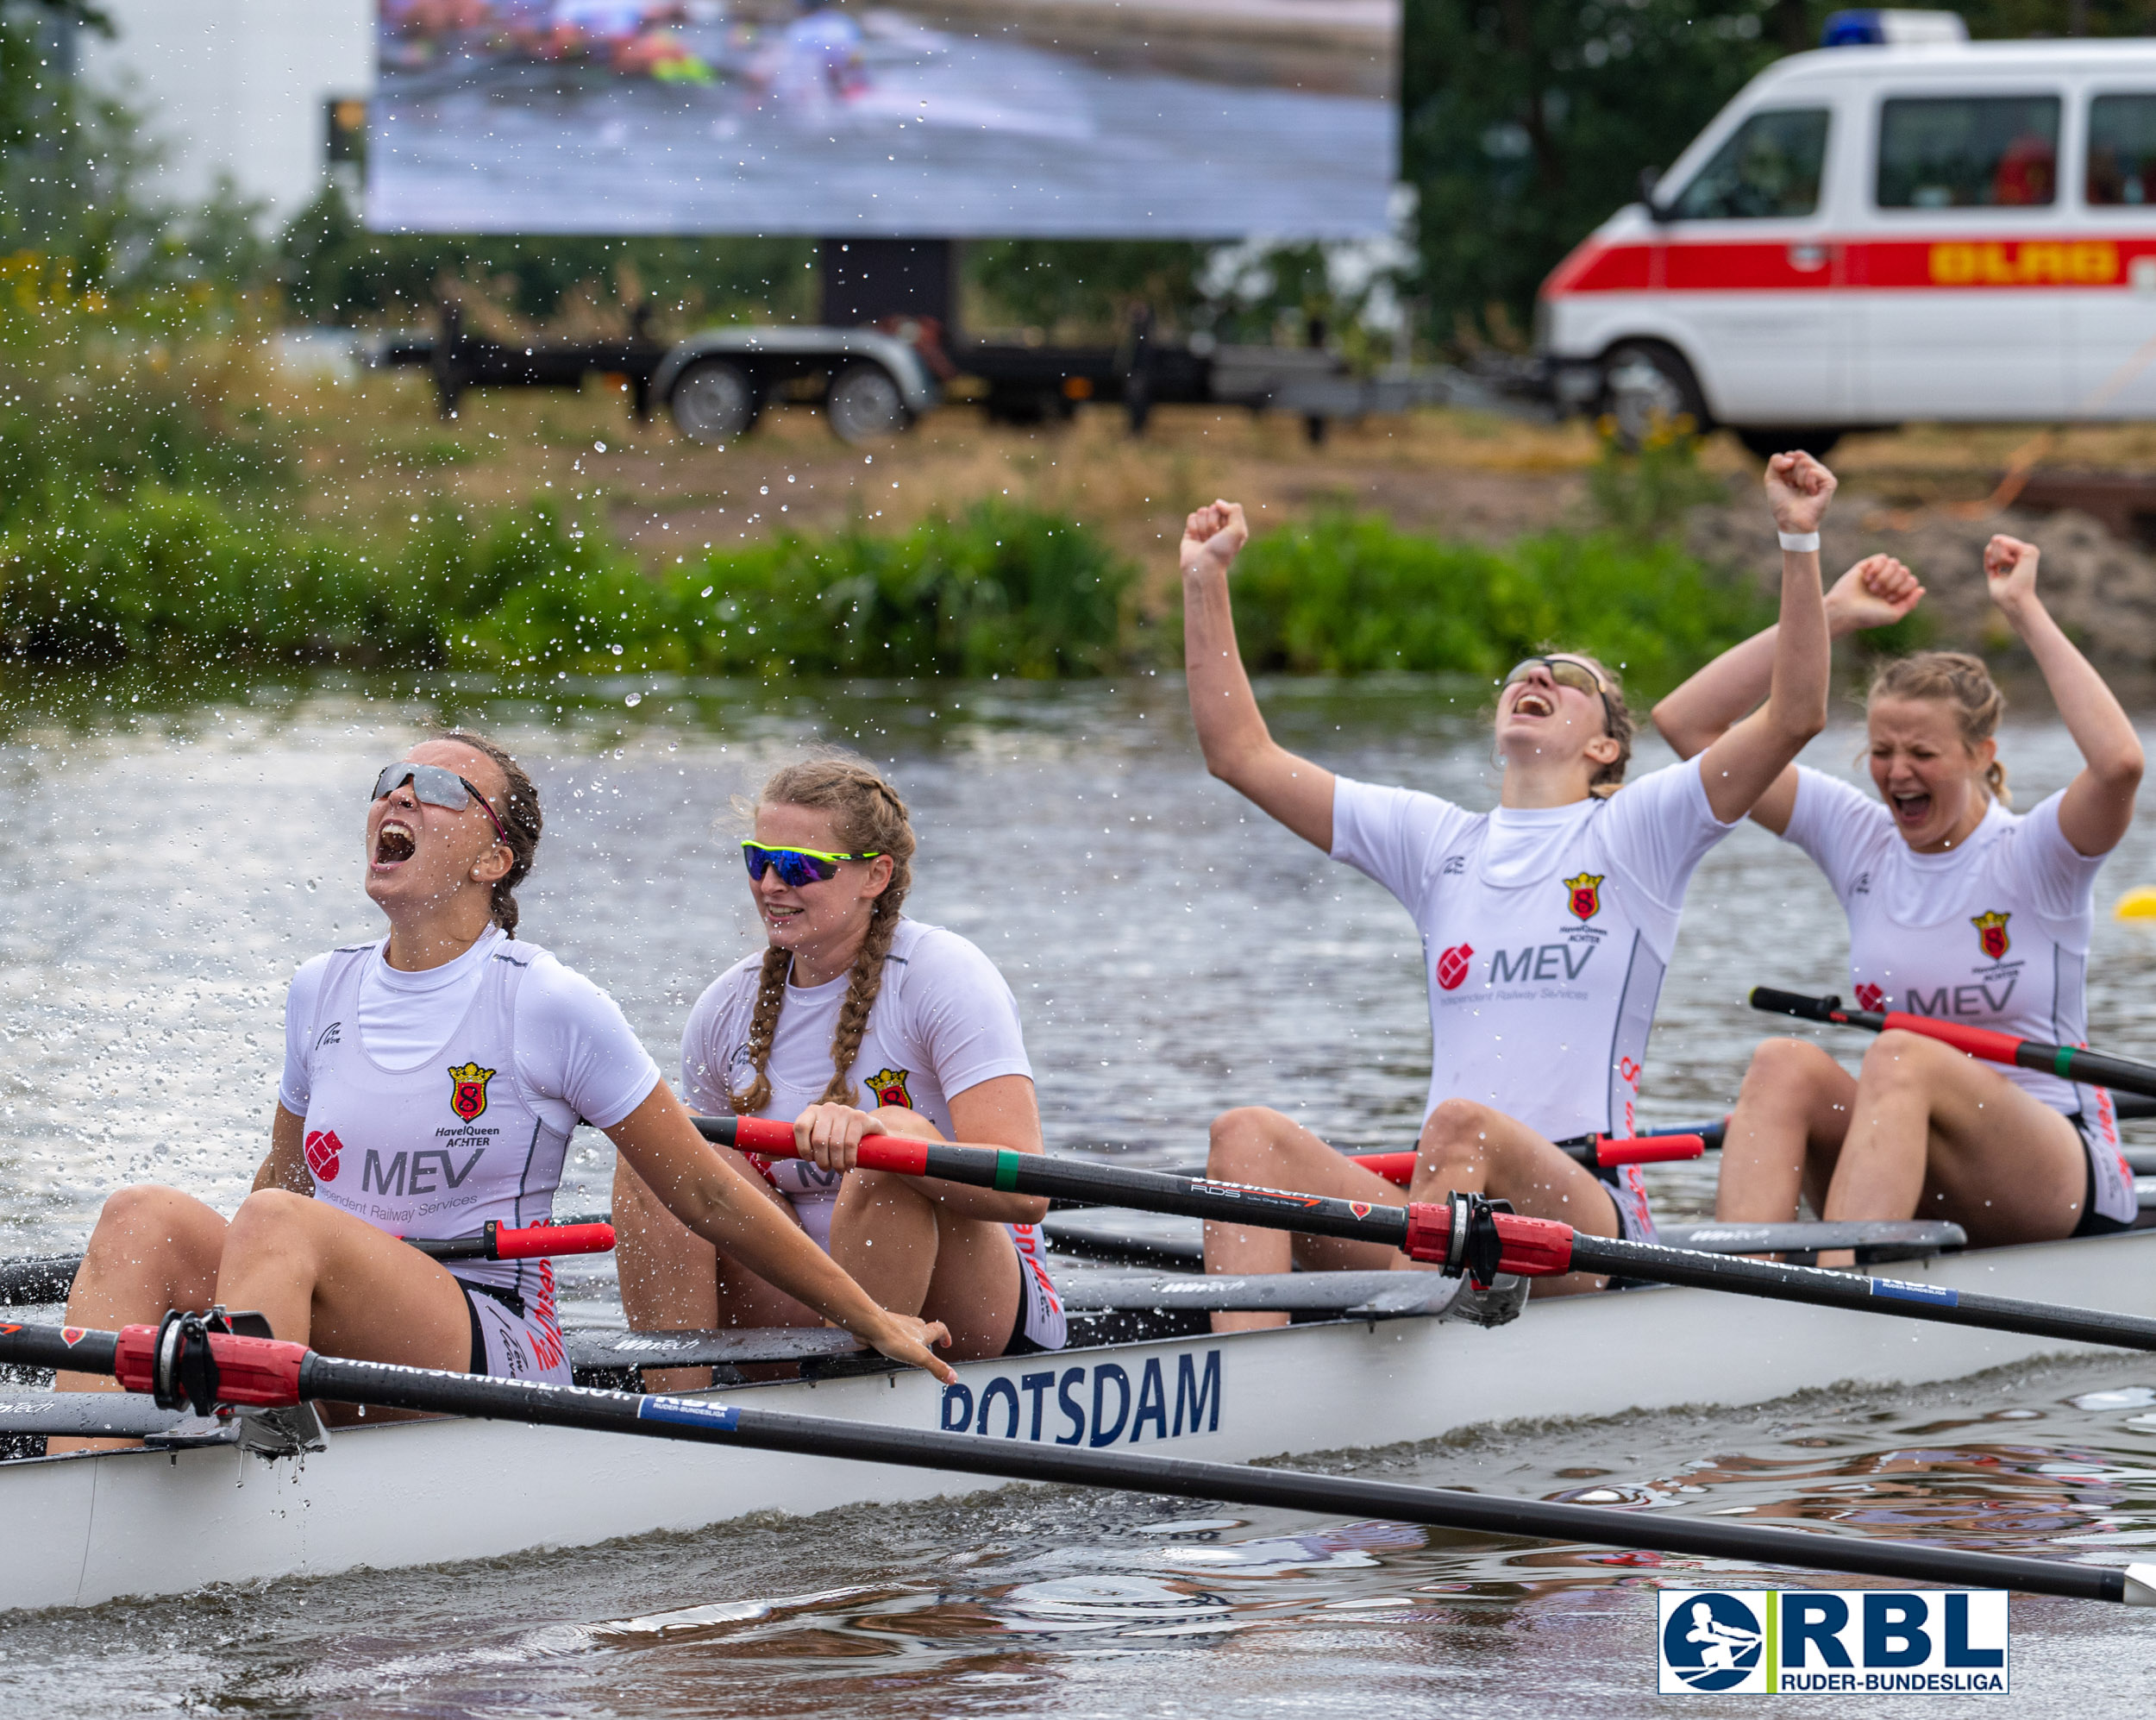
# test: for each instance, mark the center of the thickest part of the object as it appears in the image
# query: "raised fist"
(1875, 593)
(2010, 568)
(1213, 537)
(1798, 490)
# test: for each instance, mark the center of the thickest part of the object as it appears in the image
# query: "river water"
(167, 864)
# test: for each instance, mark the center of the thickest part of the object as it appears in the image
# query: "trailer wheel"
(1814, 439)
(864, 406)
(1647, 386)
(714, 401)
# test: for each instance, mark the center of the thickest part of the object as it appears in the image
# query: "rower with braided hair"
(854, 1019)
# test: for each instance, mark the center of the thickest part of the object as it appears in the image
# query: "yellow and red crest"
(467, 1089)
(1991, 934)
(889, 1086)
(1585, 895)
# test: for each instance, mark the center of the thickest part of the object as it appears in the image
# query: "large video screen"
(948, 118)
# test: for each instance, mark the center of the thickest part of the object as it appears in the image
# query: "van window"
(2123, 149)
(1770, 166)
(1969, 152)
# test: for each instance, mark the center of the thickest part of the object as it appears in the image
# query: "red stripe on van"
(1888, 264)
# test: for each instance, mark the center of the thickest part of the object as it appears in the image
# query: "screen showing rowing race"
(952, 118)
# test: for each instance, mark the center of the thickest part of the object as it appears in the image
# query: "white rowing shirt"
(1992, 934)
(436, 1100)
(943, 1021)
(1545, 933)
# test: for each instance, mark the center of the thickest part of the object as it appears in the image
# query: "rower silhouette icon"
(1713, 1642)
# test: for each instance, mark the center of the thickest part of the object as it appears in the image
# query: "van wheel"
(864, 406)
(1648, 387)
(714, 401)
(1766, 444)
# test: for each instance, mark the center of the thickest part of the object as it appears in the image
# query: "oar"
(1461, 1233)
(182, 1360)
(2069, 1063)
(49, 1278)
(1605, 1151)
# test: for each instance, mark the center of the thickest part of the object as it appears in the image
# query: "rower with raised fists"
(1958, 908)
(432, 1079)
(1546, 924)
(853, 1020)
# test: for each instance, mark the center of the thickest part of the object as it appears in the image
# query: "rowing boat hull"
(89, 1530)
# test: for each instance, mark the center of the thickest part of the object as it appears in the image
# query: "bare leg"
(1470, 1149)
(915, 1256)
(1935, 1134)
(1255, 1145)
(672, 1280)
(1785, 1134)
(153, 1249)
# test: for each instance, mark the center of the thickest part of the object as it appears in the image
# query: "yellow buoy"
(2139, 903)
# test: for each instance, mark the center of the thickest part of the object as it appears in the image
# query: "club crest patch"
(467, 1089)
(889, 1086)
(1991, 937)
(1585, 895)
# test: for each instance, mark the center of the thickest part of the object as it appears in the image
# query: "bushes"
(1340, 595)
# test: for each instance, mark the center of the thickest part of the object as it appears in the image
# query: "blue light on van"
(1872, 28)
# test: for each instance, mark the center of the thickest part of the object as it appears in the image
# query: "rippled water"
(167, 868)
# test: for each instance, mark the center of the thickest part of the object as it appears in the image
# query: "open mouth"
(1911, 808)
(394, 844)
(777, 913)
(1533, 704)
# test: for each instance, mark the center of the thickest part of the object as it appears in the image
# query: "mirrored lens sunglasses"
(437, 786)
(796, 866)
(1566, 672)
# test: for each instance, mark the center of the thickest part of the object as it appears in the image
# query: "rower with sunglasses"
(853, 1019)
(432, 1079)
(1546, 924)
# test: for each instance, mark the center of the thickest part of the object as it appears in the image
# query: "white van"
(1869, 235)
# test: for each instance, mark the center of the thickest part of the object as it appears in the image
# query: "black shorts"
(2093, 1223)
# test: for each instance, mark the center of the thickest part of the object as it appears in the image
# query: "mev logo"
(1773, 1642)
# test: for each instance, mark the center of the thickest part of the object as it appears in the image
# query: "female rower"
(431, 1082)
(1957, 908)
(1547, 924)
(847, 995)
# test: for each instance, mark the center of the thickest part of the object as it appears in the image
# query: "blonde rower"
(432, 1079)
(854, 1019)
(1546, 924)
(1958, 908)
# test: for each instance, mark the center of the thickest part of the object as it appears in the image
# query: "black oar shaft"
(1828, 1288)
(705, 1422)
(58, 1347)
(36, 1278)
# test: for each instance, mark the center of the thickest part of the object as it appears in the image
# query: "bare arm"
(999, 1112)
(1742, 765)
(1238, 748)
(1874, 593)
(2099, 802)
(717, 1202)
(287, 1165)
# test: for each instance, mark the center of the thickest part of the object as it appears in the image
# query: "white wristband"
(1797, 542)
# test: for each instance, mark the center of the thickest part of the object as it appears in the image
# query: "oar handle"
(2069, 1063)
(1034, 1173)
(1602, 1151)
(528, 1242)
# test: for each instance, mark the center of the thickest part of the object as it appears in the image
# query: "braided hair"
(520, 820)
(868, 817)
(1961, 683)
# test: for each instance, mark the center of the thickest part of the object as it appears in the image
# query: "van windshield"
(1969, 152)
(1770, 166)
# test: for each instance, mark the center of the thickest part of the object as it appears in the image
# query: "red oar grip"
(1394, 1167)
(258, 1371)
(1647, 1149)
(774, 1140)
(540, 1240)
(1985, 1042)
